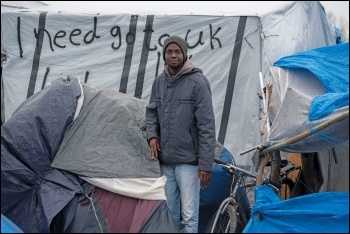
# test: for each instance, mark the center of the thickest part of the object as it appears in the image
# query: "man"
(181, 132)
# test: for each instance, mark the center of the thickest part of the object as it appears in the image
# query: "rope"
(93, 208)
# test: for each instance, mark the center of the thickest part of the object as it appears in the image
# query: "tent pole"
(264, 102)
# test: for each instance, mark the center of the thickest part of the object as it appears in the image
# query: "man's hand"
(154, 145)
(204, 177)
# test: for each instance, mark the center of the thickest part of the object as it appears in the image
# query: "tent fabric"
(222, 8)
(295, 27)
(324, 212)
(159, 221)
(87, 214)
(145, 188)
(123, 214)
(33, 193)
(100, 210)
(330, 64)
(111, 127)
(107, 146)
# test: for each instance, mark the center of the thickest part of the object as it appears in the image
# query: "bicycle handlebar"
(277, 185)
(221, 162)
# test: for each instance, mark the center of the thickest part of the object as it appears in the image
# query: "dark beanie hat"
(179, 41)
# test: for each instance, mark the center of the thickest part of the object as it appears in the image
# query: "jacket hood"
(187, 67)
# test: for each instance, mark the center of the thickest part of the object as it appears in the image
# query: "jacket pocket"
(190, 101)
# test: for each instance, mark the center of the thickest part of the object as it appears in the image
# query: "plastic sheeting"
(325, 212)
(305, 81)
(330, 65)
(292, 94)
(32, 192)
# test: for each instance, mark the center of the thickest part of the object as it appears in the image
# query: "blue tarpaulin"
(330, 65)
(7, 226)
(318, 212)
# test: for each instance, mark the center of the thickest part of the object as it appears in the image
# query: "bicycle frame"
(232, 199)
(240, 218)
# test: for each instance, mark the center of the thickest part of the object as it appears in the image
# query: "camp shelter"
(122, 51)
(314, 92)
(39, 197)
(73, 157)
(309, 113)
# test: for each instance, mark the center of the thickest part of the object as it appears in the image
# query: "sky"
(337, 7)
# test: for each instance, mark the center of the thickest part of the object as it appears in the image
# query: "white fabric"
(80, 102)
(145, 188)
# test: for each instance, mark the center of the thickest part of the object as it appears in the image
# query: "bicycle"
(232, 215)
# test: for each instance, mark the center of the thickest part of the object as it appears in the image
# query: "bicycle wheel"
(227, 222)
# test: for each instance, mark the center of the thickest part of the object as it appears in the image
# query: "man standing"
(181, 132)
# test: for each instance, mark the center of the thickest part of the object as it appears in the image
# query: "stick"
(306, 133)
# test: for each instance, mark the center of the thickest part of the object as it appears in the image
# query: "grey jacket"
(180, 114)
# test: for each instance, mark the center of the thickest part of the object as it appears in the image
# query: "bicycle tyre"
(229, 217)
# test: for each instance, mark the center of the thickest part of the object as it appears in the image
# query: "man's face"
(174, 57)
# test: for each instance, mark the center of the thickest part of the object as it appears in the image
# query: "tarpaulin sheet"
(330, 64)
(325, 212)
(32, 192)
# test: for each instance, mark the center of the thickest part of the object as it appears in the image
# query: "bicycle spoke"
(227, 222)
